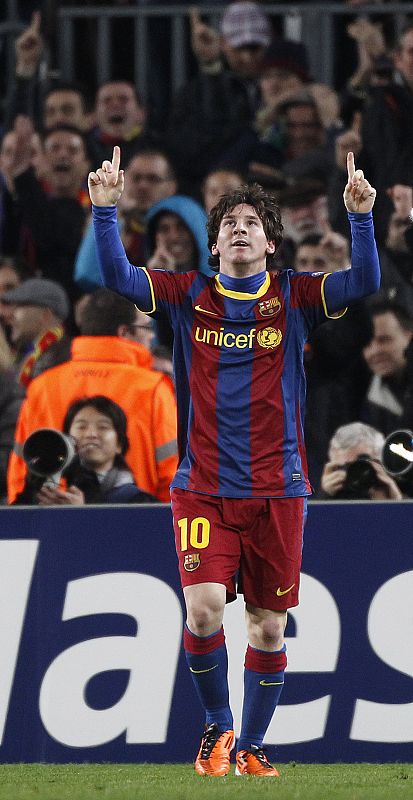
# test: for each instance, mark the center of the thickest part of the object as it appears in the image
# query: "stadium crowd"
(251, 112)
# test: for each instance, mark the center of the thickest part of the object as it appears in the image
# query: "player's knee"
(268, 634)
(204, 619)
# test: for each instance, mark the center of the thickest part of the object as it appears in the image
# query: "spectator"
(290, 135)
(98, 473)
(53, 213)
(177, 241)
(11, 398)
(120, 118)
(219, 182)
(107, 359)
(304, 212)
(177, 235)
(317, 253)
(354, 470)
(149, 177)
(208, 113)
(10, 278)
(396, 256)
(385, 356)
(40, 308)
(388, 117)
(61, 104)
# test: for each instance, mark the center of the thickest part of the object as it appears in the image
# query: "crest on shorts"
(192, 561)
(267, 308)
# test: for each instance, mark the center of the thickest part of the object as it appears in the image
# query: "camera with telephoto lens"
(47, 453)
(360, 478)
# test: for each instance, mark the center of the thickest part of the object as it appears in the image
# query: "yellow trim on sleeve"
(243, 295)
(152, 293)
(338, 314)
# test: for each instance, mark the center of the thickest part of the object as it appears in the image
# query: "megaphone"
(48, 452)
(397, 453)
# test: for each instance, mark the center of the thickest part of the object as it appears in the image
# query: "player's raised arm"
(359, 195)
(107, 183)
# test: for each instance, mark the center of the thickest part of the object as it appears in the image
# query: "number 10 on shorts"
(199, 531)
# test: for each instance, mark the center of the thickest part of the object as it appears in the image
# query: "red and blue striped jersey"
(238, 361)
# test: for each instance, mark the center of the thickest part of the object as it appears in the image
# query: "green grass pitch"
(180, 782)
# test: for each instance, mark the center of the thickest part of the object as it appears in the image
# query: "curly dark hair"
(266, 208)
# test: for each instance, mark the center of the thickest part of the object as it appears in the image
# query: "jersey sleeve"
(349, 285)
(156, 292)
(320, 296)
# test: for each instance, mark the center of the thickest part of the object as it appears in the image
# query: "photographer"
(354, 470)
(98, 472)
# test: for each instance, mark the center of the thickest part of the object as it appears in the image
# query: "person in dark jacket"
(98, 473)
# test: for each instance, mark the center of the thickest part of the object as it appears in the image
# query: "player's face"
(242, 245)
(96, 439)
(385, 353)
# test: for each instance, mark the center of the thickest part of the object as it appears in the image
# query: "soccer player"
(239, 494)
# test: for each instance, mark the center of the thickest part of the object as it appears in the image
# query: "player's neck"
(241, 270)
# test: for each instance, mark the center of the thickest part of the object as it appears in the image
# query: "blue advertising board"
(91, 662)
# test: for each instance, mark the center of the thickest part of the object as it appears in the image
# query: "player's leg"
(208, 556)
(265, 662)
(207, 658)
(270, 577)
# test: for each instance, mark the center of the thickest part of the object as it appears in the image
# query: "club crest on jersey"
(192, 561)
(267, 308)
(269, 338)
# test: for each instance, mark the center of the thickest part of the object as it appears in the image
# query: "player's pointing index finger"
(116, 158)
(350, 166)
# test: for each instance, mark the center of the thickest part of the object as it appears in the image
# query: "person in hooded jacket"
(177, 241)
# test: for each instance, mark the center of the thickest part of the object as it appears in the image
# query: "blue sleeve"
(344, 287)
(117, 273)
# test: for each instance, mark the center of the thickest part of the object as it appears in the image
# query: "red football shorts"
(252, 546)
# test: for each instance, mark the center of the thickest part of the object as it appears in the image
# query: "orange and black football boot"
(214, 752)
(255, 762)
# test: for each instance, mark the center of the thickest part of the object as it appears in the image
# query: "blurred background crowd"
(200, 102)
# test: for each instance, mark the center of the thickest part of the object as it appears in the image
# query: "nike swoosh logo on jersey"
(270, 683)
(199, 671)
(204, 311)
(280, 592)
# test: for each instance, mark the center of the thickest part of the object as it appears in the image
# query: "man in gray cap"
(40, 307)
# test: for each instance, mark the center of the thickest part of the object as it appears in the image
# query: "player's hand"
(359, 195)
(205, 40)
(333, 477)
(29, 47)
(107, 183)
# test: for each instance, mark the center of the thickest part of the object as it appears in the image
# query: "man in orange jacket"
(107, 360)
